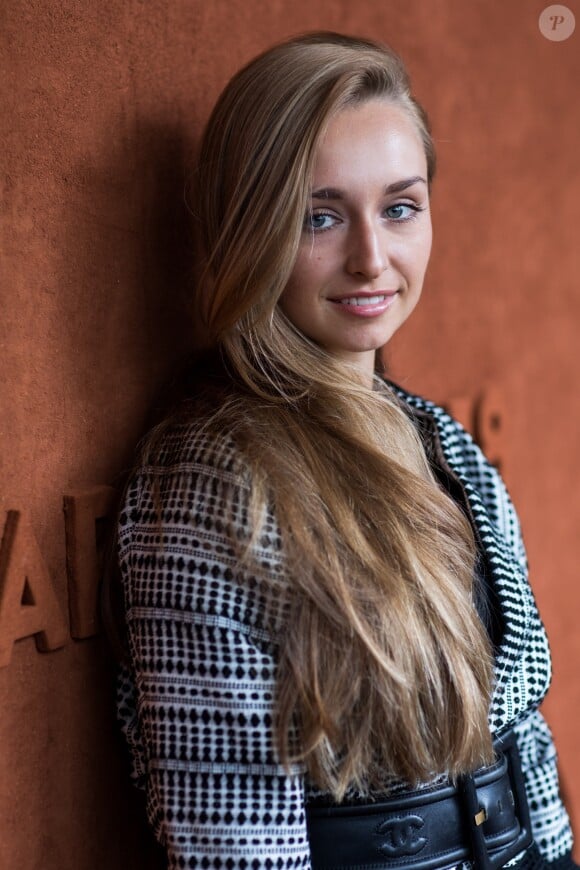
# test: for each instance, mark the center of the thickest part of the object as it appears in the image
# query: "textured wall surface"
(103, 106)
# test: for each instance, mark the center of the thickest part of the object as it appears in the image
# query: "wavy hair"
(385, 668)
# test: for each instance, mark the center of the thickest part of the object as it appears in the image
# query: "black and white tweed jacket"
(196, 702)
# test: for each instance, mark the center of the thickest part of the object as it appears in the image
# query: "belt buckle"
(506, 745)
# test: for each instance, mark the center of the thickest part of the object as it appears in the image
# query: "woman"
(334, 651)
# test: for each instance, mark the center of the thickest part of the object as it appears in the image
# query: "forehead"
(374, 137)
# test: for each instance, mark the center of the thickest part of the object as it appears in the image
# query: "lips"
(364, 297)
(365, 304)
(361, 300)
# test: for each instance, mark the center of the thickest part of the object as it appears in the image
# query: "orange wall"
(104, 106)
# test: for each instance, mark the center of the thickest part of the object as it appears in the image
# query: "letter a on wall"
(28, 603)
(83, 510)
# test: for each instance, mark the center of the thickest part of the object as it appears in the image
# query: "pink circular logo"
(557, 22)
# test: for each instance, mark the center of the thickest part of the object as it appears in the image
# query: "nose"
(367, 250)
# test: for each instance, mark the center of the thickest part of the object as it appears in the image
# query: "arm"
(203, 665)
(550, 822)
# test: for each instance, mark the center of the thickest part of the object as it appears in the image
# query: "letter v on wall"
(28, 603)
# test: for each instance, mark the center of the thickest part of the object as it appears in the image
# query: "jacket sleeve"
(549, 819)
(196, 703)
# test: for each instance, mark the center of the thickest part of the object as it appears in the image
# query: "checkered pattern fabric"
(196, 703)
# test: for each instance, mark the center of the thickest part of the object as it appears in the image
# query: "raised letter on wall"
(86, 513)
(28, 603)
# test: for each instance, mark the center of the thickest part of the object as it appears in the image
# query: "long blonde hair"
(385, 668)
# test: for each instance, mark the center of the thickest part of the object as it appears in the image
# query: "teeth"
(362, 300)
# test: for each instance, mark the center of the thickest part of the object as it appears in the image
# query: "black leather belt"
(484, 819)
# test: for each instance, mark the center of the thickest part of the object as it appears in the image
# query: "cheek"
(418, 254)
(426, 242)
(305, 280)
(292, 296)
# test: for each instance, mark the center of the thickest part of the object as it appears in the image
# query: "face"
(366, 244)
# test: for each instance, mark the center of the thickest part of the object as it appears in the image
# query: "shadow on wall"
(121, 335)
(129, 231)
(137, 848)
(149, 332)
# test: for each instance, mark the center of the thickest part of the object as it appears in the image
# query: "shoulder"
(185, 441)
(459, 448)
(466, 459)
(179, 464)
(419, 406)
(196, 428)
(189, 536)
(458, 445)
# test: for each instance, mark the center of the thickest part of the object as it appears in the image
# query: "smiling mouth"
(362, 300)
(366, 305)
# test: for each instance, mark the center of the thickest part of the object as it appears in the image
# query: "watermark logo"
(557, 22)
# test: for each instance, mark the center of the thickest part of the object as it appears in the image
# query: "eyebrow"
(395, 187)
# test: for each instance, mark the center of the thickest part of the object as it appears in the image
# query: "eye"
(409, 216)
(319, 221)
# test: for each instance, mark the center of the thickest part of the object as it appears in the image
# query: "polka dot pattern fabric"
(196, 703)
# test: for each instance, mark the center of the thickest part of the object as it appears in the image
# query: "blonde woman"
(335, 658)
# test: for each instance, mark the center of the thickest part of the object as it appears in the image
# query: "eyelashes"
(313, 218)
(414, 210)
(310, 222)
